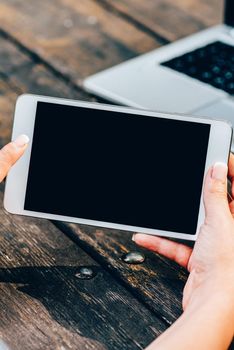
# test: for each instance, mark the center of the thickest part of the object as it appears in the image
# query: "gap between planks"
(37, 59)
(98, 258)
(137, 24)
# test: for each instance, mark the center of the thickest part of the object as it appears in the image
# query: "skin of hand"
(10, 153)
(210, 263)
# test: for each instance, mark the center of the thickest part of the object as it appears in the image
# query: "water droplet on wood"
(133, 258)
(85, 273)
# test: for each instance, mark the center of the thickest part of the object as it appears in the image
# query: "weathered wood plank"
(45, 306)
(83, 39)
(210, 12)
(171, 19)
(7, 101)
(11, 57)
(157, 282)
(19, 65)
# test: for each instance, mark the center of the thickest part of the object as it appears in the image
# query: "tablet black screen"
(119, 168)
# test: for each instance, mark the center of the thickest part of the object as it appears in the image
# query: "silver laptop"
(194, 75)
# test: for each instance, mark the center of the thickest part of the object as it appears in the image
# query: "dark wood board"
(158, 282)
(45, 306)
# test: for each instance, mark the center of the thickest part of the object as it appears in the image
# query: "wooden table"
(48, 47)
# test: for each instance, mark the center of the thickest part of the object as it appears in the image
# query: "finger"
(231, 183)
(231, 172)
(215, 192)
(177, 252)
(231, 165)
(231, 206)
(10, 153)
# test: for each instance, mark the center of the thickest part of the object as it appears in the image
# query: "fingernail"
(21, 140)
(133, 237)
(219, 171)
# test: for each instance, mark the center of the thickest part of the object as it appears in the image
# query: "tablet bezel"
(25, 112)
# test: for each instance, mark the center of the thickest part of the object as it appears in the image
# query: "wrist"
(217, 294)
(222, 299)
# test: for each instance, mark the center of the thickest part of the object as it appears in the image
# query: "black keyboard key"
(228, 75)
(212, 64)
(216, 69)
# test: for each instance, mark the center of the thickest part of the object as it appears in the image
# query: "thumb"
(215, 191)
(10, 153)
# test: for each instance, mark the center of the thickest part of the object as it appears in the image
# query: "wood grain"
(158, 282)
(83, 39)
(171, 19)
(43, 304)
(209, 12)
(11, 57)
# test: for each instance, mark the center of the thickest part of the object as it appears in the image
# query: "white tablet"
(113, 167)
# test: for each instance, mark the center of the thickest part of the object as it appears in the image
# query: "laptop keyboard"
(212, 64)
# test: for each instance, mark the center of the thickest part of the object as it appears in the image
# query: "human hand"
(211, 261)
(10, 153)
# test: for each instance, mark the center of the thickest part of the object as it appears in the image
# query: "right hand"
(211, 261)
